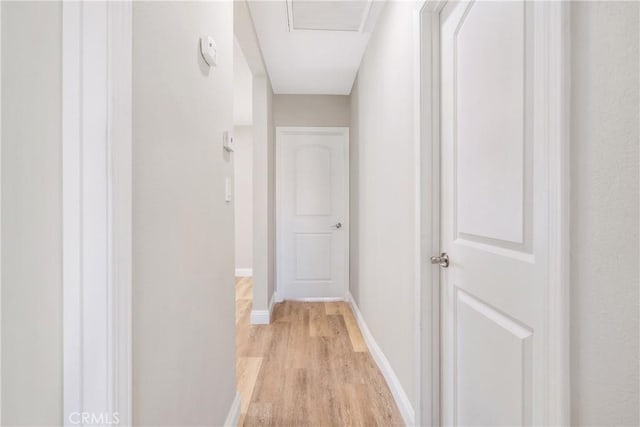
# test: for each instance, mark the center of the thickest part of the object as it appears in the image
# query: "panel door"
(493, 215)
(312, 185)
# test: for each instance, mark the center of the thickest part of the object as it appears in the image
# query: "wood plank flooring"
(309, 367)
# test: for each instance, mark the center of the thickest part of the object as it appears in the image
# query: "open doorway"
(243, 177)
(247, 368)
(242, 163)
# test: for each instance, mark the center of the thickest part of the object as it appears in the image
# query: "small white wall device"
(209, 50)
(227, 141)
(227, 189)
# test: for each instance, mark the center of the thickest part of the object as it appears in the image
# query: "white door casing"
(494, 130)
(312, 191)
(97, 217)
(0, 212)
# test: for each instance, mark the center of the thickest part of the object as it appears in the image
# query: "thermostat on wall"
(209, 50)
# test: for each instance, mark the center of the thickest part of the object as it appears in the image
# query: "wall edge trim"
(233, 416)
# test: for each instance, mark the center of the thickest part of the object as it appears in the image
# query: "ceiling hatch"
(322, 15)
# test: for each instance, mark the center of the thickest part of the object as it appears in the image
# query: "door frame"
(557, 65)
(0, 212)
(97, 210)
(283, 130)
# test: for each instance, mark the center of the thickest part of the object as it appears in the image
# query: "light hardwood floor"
(309, 367)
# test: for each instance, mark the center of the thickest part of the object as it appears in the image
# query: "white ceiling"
(243, 88)
(311, 46)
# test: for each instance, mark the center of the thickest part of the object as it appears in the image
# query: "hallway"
(310, 366)
(319, 213)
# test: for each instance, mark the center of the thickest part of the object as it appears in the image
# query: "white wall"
(243, 189)
(311, 110)
(31, 213)
(246, 37)
(243, 159)
(271, 192)
(382, 190)
(604, 213)
(183, 266)
(242, 88)
(264, 274)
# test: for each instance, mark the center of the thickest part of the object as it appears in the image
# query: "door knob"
(442, 260)
(338, 225)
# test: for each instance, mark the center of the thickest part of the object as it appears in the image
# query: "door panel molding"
(553, 54)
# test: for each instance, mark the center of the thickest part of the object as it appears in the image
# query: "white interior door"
(494, 213)
(312, 217)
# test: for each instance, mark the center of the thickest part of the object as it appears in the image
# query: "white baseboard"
(234, 412)
(260, 317)
(244, 272)
(399, 395)
(263, 317)
(317, 299)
